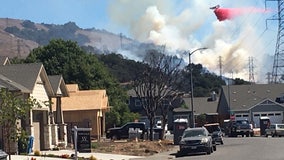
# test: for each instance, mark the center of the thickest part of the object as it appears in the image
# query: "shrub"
(93, 158)
(37, 153)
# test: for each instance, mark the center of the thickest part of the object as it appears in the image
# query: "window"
(256, 115)
(271, 114)
(137, 102)
(277, 114)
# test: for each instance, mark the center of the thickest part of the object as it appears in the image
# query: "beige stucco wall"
(84, 106)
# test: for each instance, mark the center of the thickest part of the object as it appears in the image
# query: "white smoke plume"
(190, 24)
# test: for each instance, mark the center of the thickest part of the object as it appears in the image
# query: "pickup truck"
(123, 131)
(240, 127)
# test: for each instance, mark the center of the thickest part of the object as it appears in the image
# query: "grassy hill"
(19, 37)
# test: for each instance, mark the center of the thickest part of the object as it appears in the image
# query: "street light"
(191, 86)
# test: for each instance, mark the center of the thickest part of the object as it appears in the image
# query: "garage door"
(275, 117)
(242, 116)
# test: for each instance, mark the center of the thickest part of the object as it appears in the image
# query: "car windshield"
(241, 122)
(212, 128)
(194, 133)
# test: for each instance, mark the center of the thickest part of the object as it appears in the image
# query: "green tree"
(204, 82)
(13, 107)
(66, 58)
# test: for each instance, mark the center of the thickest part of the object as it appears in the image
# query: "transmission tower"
(251, 70)
(278, 64)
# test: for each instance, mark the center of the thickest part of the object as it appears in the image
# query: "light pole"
(191, 86)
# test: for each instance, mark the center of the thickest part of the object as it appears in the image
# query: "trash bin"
(179, 126)
(3, 155)
(264, 122)
(158, 133)
(30, 144)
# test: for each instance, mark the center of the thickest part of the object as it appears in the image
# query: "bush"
(93, 158)
(37, 153)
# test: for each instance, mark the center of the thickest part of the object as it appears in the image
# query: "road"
(240, 148)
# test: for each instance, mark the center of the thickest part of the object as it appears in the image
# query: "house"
(32, 81)
(84, 109)
(252, 102)
(201, 106)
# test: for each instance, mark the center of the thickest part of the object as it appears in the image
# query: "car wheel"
(209, 150)
(179, 154)
(247, 134)
(114, 137)
(222, 142)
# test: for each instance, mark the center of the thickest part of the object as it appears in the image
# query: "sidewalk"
(99, 156)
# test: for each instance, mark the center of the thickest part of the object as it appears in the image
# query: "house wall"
(39, 93)
(90, 116)
(40, 116)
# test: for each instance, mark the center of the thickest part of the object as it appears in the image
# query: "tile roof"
(58, 85)
(201, 105)
(242, 97)
(11, 85)
(26, 75)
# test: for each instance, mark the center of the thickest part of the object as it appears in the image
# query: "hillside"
(19, 37)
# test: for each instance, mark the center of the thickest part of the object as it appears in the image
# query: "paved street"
(241, 148)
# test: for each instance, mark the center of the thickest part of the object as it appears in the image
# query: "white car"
(275, 130)
(159, 125)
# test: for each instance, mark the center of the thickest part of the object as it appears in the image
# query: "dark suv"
(123, 132)
(215, 131)
(240, 127)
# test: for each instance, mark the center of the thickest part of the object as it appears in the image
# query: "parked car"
(275, 130)
(159, 125)
(123, 132)
(215, 131)
(240, 127)
(196, 140)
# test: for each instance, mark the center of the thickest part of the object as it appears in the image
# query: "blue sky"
(86, 13)
(178, 24)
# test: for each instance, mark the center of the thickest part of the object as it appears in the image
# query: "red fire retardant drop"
(230, 13)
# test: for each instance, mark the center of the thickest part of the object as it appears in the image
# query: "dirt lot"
(135, 148)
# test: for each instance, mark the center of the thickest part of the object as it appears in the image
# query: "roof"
(58, 85)
(84, 99)
(201, 105)
(11, 85)
(243, 97)
(27, 75)
(4, 60)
